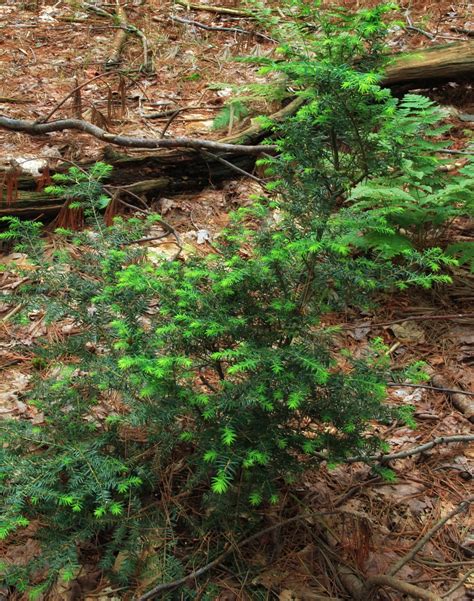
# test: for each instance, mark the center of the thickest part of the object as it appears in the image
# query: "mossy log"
(451, 62)
(167, 172)
(431, 66)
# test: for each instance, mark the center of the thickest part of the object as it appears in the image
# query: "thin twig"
(410, 318)
(415, 450)
(462, 507)
(170, 120)
(429, 35)
(449, 151)
(71, 93)
(468, 32)
(167, 226)
(149, 239)
(458, 584)
(82, 85)
(169, 586)
(224, 10)
(206, 382)
(406, 588)
(232, 166)
(428, 387)
(218, 28)
(11, 313)
(163, 114)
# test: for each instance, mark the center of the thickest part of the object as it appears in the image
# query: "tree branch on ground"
(223, 10)
(415, 450)
(428, 387)
(32, 128)
(459, 399)
(217, 28)
(352, 326)
(403, 587)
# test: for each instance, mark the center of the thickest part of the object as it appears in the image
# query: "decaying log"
(451, 62)
(153, 174)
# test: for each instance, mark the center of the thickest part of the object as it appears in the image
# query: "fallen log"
(451, 62)
(151, 176)
(154, 174)
(186, 167)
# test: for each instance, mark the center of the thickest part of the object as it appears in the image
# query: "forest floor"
(48, 48)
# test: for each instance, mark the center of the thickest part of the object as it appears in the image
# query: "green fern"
(463, 252)
(233, 112)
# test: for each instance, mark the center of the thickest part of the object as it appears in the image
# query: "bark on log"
(152, 176)
(452, 62)
(173, 171)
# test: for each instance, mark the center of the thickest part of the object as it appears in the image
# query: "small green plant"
(231, 113)
(221, 364)
(421, 198)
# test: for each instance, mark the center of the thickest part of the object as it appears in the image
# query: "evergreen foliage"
(231, 113)
(223, 362)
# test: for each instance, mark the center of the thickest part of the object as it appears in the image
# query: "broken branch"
(32, 128)
(217, 28)
(428, 387)
(415, 450)
(459, 398)
(223, 10)
(126, 28)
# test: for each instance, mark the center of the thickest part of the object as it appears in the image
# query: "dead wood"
(154, 175)
(449, 62)
(361, 591)
(34, 129)
(7, 99)
(125, 28)
(456, 438)
(399, 585)
(223, 10)
(217, 28)
(461, 508)
(149, 176)
(120, 39)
